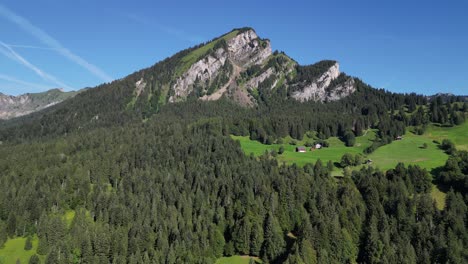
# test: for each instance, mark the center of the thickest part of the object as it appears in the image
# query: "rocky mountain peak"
(239, 65)
(212, 74)
(247, 48)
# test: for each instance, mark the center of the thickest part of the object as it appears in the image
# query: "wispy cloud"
(23, 83)
(29, 47)
(50, 42)
(10, 53)
(180, 34)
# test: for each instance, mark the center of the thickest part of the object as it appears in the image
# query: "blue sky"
(402, 46)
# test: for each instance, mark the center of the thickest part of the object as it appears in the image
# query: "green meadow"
(457, 134)
(13, 250)
(409, 151)
(334, 152)
(237, 260)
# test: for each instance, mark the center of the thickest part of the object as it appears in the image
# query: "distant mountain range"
(447, 96)
(15, 106)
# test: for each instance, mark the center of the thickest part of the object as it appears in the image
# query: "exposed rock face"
(203, 70)
(140, 87)
(320, 90)
(342, 90)
(15, 106)
(243, 50)
(254, 82)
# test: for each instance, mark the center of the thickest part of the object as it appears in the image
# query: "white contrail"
(30, 47)
(52, 43)
(10, 53)
(26, 84)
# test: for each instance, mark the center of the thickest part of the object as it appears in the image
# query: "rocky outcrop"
(140, 87)
(341, 90)
(202, 71)
(243, 50)
(320, 90)
(15, 106)
(255, 81)
(247, 49)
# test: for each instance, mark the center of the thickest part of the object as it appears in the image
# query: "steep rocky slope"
(15, 106)
(238, 65)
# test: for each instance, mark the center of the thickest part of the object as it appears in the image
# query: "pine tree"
(34, 259)
(274, 244)
(28, 243)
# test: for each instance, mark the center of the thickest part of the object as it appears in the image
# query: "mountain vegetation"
(123, 174)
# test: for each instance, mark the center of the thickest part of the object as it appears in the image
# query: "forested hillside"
(120, 174)
(168, 192)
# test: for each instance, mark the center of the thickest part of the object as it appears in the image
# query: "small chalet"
(399, 138)
(318, 146)
(369, 161)
(301, 149)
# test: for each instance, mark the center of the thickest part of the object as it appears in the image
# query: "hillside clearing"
(237, 260)
(409, 151)
(13, 250)
(334, 152)
(457, 134)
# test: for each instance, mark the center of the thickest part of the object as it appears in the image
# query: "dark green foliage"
(351, 160)
(28, 244)
(455, 171)
(122, 182)
(34, 259)
(448, 146)
(347, 160)
(281, 150)
(349, 139)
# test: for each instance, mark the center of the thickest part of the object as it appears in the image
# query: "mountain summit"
(240, 65)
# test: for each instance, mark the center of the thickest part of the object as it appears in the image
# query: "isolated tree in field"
(448, 146)
(349, 139)
(347, 160)
(28, 243)
(281, 150)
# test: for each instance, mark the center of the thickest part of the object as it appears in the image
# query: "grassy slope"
(14, 249)
(195, 55)
(409, 151)
(458, 134)
(51, 96)
(69, 216)
(438, 196)
(236, 260)
(334, 153)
